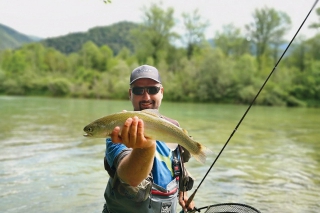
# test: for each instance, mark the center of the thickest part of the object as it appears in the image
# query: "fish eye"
(88, 129)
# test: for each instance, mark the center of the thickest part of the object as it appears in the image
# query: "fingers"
(129, 133)
(125, 133)
(183, 199)
(133, 131)
(191, 206)
(115, 137)
(140, 129)
(132, 134)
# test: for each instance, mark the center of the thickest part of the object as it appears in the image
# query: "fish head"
(96, 130)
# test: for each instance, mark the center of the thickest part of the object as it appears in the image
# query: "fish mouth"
(87, 135)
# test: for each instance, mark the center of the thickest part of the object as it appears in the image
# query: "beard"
(150, 104)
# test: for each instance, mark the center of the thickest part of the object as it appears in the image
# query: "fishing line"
(244, 115)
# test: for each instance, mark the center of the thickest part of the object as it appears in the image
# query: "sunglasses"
(141, 90)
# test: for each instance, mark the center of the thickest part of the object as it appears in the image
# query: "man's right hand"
(132, 134)
(137, 165)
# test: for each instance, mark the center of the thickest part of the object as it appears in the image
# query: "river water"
(272, 162)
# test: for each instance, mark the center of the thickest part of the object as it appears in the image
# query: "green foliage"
(195, 28)
(59, 87)
(154, 37)
(313, 45)
(98, 64)
(316, 25)
(268, 29)
(306, 85)
(116, 36)
(231, 42)
(10, 39)
(92, 57)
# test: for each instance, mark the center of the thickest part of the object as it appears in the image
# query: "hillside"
(116, 36)
(10, 38)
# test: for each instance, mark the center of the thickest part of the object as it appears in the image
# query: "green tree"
(153, 37)
(299, 54)
(91, 57)
(268, 28)
(306, 85)
(316, 25)
(231, 42)
(107, 61)
(214, 80)
(245, 79)
(126, 55)
(195, 28)
(34, 54)
(55, 61)
(59, 87)
(314, 47)
(14, 62)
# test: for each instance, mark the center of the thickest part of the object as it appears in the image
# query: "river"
(272, 162)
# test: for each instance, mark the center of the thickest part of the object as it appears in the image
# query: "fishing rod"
(246, 112)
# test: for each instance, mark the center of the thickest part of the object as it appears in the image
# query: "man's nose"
(146, 94)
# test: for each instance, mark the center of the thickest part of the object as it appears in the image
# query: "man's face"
(145, 101)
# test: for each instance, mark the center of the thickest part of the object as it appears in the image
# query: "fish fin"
(185, 131)
(153, 112)
(201, 156)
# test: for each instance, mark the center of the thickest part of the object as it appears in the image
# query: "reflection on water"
(271, 163)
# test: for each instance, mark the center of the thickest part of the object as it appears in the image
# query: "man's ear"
(129, 94)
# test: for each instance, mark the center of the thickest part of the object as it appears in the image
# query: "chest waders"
(147, 197)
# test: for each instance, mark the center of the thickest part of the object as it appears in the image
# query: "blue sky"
(50, 18)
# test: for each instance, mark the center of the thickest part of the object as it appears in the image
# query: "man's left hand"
(183, 198)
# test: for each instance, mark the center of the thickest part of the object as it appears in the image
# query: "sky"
(52, 18)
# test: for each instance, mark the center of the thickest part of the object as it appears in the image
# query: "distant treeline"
(230, 71)
(116, 36)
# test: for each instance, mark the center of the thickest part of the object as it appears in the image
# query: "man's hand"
(183, 198)
(135, 166)
(132, 134)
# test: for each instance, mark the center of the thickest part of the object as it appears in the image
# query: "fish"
(155, 127)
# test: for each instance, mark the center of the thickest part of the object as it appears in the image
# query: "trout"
(155, 127)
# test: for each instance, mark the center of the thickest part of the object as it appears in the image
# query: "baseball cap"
(145, 71)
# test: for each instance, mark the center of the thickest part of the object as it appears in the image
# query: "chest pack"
(179, 170)
(147, 197)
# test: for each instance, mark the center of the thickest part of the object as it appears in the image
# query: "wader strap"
(176, 163)
(180, 172)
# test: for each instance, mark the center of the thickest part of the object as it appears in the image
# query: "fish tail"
(201, 156)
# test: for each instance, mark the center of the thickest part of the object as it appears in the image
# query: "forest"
(229, 68)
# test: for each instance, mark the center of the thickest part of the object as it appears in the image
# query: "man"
(142, 178)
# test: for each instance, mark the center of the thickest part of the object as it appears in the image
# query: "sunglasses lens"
(153, 90)
(138, 90)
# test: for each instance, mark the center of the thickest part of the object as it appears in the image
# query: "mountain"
(11, 39)
(116, 36)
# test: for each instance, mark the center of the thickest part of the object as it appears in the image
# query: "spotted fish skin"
(155, 127)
